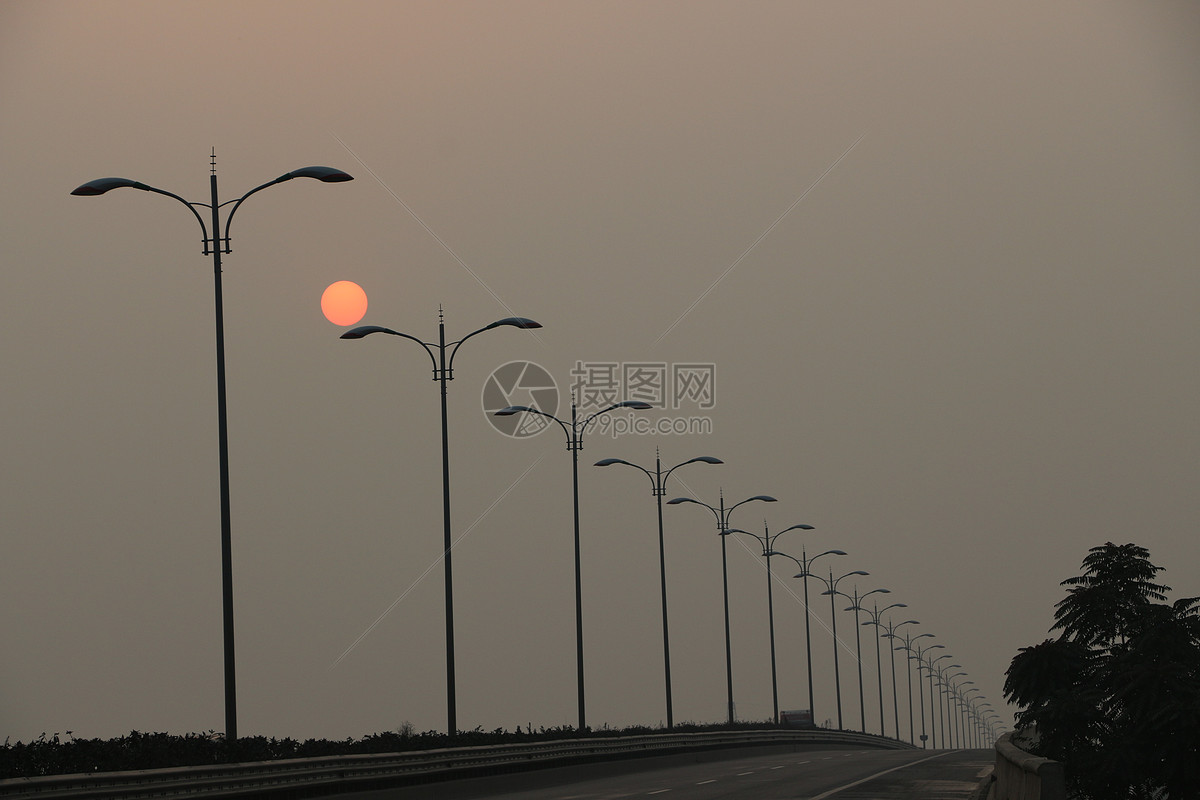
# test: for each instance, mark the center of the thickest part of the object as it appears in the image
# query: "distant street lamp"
(658, 481)
(920, 659)
(951, 707)
(215, 245)
(960, 710)
(768, 549)
(935, 716)
(443, 371)
(805, 564)
(574, 431)
(856, 606)
(907, 648)
(874, 615)
(889, 633)
(722, 514)
(833, 592)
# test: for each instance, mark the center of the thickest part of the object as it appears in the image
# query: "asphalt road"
(811, 773)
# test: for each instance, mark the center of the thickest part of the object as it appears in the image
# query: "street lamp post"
(722, 514)
(443, 371)
(874, 615)
(658, 482)
(935, 717)
(805, 564)
(574, 431)
(889, 633)
(216, 245)
(768, 545)
(879, 661)
(959, 709)
(948, 691)
(831, 590)
(856, 607)
(920, 659)
(906, 646)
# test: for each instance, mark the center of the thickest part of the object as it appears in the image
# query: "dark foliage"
(1116, 698)
(51, 755)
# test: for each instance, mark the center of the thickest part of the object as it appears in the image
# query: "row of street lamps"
(442, 355)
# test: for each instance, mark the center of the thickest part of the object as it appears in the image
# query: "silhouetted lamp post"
(722, 514)
(443, 371)
(891, 635)
(574, 431)
(658, 481)
(768, 549)
(832, 592)
(215, 245)
(936, 723)
(874, 615)
(805, 564)
(856, 607)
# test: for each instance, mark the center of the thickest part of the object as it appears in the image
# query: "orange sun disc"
(344, 303)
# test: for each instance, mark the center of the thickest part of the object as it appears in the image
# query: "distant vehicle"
(796, 719)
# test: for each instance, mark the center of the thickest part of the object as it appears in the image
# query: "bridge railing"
(314, 777)
(1020, 775)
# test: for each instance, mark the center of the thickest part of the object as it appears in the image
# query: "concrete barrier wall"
(1023, 776)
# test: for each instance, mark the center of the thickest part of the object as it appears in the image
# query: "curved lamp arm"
(367, 330)
(608, 462)
(634, 404)
(323, 174)
(102, 185)
(524, 323)
(510, 410)
(696, 460)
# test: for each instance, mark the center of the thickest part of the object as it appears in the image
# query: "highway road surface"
(803, 773)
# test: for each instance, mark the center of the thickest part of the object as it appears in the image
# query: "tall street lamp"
(805, 564)
(768, 549)
(918, 653)
(831, 590)
(856, 606)
(658, 482)
(948, 691)
(875, 615)
(959, 708)
(935, 717)
(574, 431)
(906, 645)
(889, 632)
(722, 514)
(215, 245)
(443, 372)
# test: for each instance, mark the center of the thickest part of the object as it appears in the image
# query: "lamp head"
(766, 498)
(323, 174)
(635, 404)
(102, 185)
(607, 462)
(705, 460)
(516, 322)
(364, 330)
(510, 410)
(676, 501)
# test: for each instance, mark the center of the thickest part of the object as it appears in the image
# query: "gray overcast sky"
(965, 348)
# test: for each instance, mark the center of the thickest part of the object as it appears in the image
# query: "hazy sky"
(941, 256)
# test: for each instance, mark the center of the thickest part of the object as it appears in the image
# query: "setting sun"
(344, 303)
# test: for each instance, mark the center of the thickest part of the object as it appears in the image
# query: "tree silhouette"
(1116, 697)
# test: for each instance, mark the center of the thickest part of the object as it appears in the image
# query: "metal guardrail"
(314, 777)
